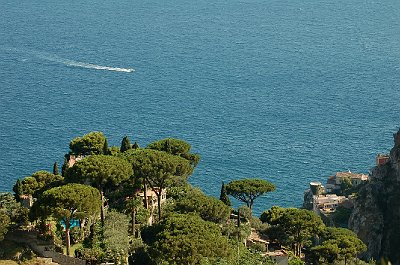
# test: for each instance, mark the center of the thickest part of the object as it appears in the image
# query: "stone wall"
(62, 259)
(41, 248)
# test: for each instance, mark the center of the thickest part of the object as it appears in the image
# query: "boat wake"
(94, 66)
(72, 63)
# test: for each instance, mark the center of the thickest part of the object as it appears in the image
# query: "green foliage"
(133, 204)
(341, 216)
(55, 169)
(293, 227)
(272, 215)
(208, 208)
(135, 145)
(37, 183)
(114, 150)
(8, 205)
(100, 170)
(93, 255)
(171, 145)
(246, 257)
(18, 189)
(187, 239)
(245, 212)
(337, 244)
(157, 165)
(12, 253)
(231, 230)
(71, 201)
(158, 168)
(116, 237)
(90, 144)
(4, 223)
(258, 247)
(224, 195)
(178, 192)
(259, 226)
(346, 186)
(176, 147)
(138, 212)
(125, 144)
(247, 190)
(106, 151)
(294, 260)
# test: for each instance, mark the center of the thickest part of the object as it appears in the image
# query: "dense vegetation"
(109, 191)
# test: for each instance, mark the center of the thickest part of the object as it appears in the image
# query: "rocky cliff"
(376, 214)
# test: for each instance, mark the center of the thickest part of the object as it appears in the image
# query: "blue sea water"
(285, 90)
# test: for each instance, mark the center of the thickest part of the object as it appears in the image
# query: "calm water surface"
(286, 90)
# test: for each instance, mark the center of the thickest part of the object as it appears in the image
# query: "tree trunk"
(81, 225)
(146, 204)
(159, 204)
(251, 206)
(133, 223)
(67, 238)
(102, 206)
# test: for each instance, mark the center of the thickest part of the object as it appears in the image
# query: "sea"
(290, 91)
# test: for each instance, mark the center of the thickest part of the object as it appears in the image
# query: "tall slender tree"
(132, 205)
(18, 190)
(106, 151)
(135, 145)
(224, 195)
(125, 144)
(55, 168)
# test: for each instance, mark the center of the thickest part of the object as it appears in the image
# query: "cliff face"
(376, 214)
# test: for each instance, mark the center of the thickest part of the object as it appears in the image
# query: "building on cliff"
(376, 215)
(324, 200)
(327, 203)
(334, 183)
(382, 159)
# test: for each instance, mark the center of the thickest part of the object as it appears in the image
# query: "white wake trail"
(95, 66)
(54, 58)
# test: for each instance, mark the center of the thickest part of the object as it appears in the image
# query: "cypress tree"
(135, 145)
(55, 168)
(105, 147)
(125, 144)
(18, 189)
(224, 196)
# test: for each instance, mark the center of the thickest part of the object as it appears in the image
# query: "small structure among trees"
(69, 202)
(194, 228)
(152, 200)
